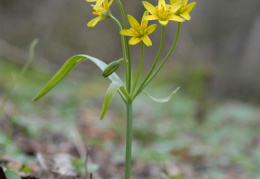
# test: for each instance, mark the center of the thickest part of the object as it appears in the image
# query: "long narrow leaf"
(67, 67)
(111, 91)
(162, 100)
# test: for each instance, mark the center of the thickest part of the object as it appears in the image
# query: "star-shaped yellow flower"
(101, 10)
(139, 32)
(163, 12)
(185, 9)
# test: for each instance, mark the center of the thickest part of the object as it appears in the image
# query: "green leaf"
(26, 170)
(113, 87)
(67, 67)
(11, 174)
(162, 100)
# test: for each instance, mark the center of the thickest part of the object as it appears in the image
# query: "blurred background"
(216, 63)
(222, 39)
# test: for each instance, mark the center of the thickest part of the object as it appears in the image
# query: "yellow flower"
(101, 10)
(163, 12)
(185, 9)
(98, 2)
(139, 32)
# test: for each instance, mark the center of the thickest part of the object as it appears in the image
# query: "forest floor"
(61, 136)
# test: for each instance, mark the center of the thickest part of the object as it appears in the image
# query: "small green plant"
(176, 10)
(20, 74)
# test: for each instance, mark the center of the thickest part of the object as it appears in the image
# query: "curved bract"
(162, 100)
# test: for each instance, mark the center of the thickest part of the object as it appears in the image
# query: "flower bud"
(112, 67)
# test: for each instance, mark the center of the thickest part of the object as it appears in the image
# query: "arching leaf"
(67, 67)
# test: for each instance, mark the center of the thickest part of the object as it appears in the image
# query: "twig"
(91, 176)
(86, 163)
(79, 143)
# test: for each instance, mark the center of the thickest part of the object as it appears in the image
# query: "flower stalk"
(154, 64)
(129, 65)
(149, 78)
(126, 62)
(139, 68)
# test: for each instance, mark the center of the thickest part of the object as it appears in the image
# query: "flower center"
(140, 31)
(163, 12)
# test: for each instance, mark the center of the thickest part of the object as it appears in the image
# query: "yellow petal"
(151, 28)
(185, 15)
(149, 7)
(147, 41)
(176, 18)
(174, 1)
(132, 21)
(163, 23)
(144, 22)
(134, 40)
(175, 7)
(185, 2)
(98, 4)
(127, 32)
(91, 0)
(105, 3)
(110, 3)
(93, 22)
(161, 4)
(151, 17)
(189, 7)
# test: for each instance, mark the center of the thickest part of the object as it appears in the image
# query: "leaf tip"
(34, 99)
(101, 117)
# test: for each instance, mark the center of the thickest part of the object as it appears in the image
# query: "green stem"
(158, 54)
(128, 141)
(139, 68)
(154, 64)
(163, 62)
(123, 49)
(129, 69)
